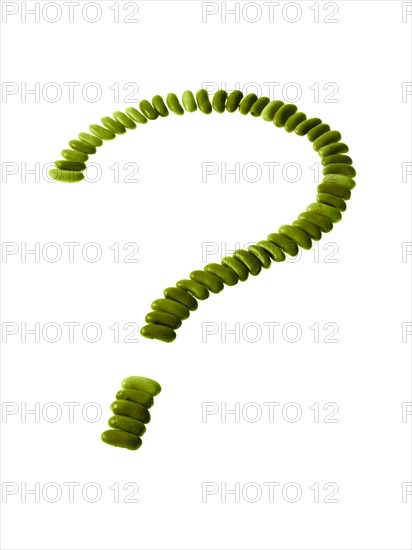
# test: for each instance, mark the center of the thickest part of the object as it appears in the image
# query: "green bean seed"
(246, 103)
(219, 101)
(324, 224)
(158, 332)
(306, 126)
(124, 120)
(312, 230)
(336, 159)
(327, 138)
(136, 115)
(286, 244)
(271, 109)
(127, 424)
(259, 105)
(75, 156)
(273, 250)
(70, 165)
(233, 101)
(90, 140)
(137, 396)
(238, 267)
(182, 297)
(82, 147)
(198, 290)
(101, 133)
(163, 318)
(173, 103)
(203, 101)
(123, 407)
(297, 235)
(344, 169)
(227, 275)
(113, 125)
(340, 179)
(213, 283)
(189, 102)
(318, 131)
(118, 438)
(331, 200)
(159, 105)
(67, 176)
(147, 109)
(333, 149)
(293, 121)
(283, 114)
(261, 254)
(335, 189)
(170, 306)
(251, 262)
(142, 383)
(328, 211)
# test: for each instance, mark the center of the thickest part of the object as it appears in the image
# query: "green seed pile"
(131, 412)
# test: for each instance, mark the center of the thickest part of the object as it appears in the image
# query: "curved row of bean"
(168, 313)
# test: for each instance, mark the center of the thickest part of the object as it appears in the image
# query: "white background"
(170, 213)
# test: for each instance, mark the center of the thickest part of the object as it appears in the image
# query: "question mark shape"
(168, 312)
